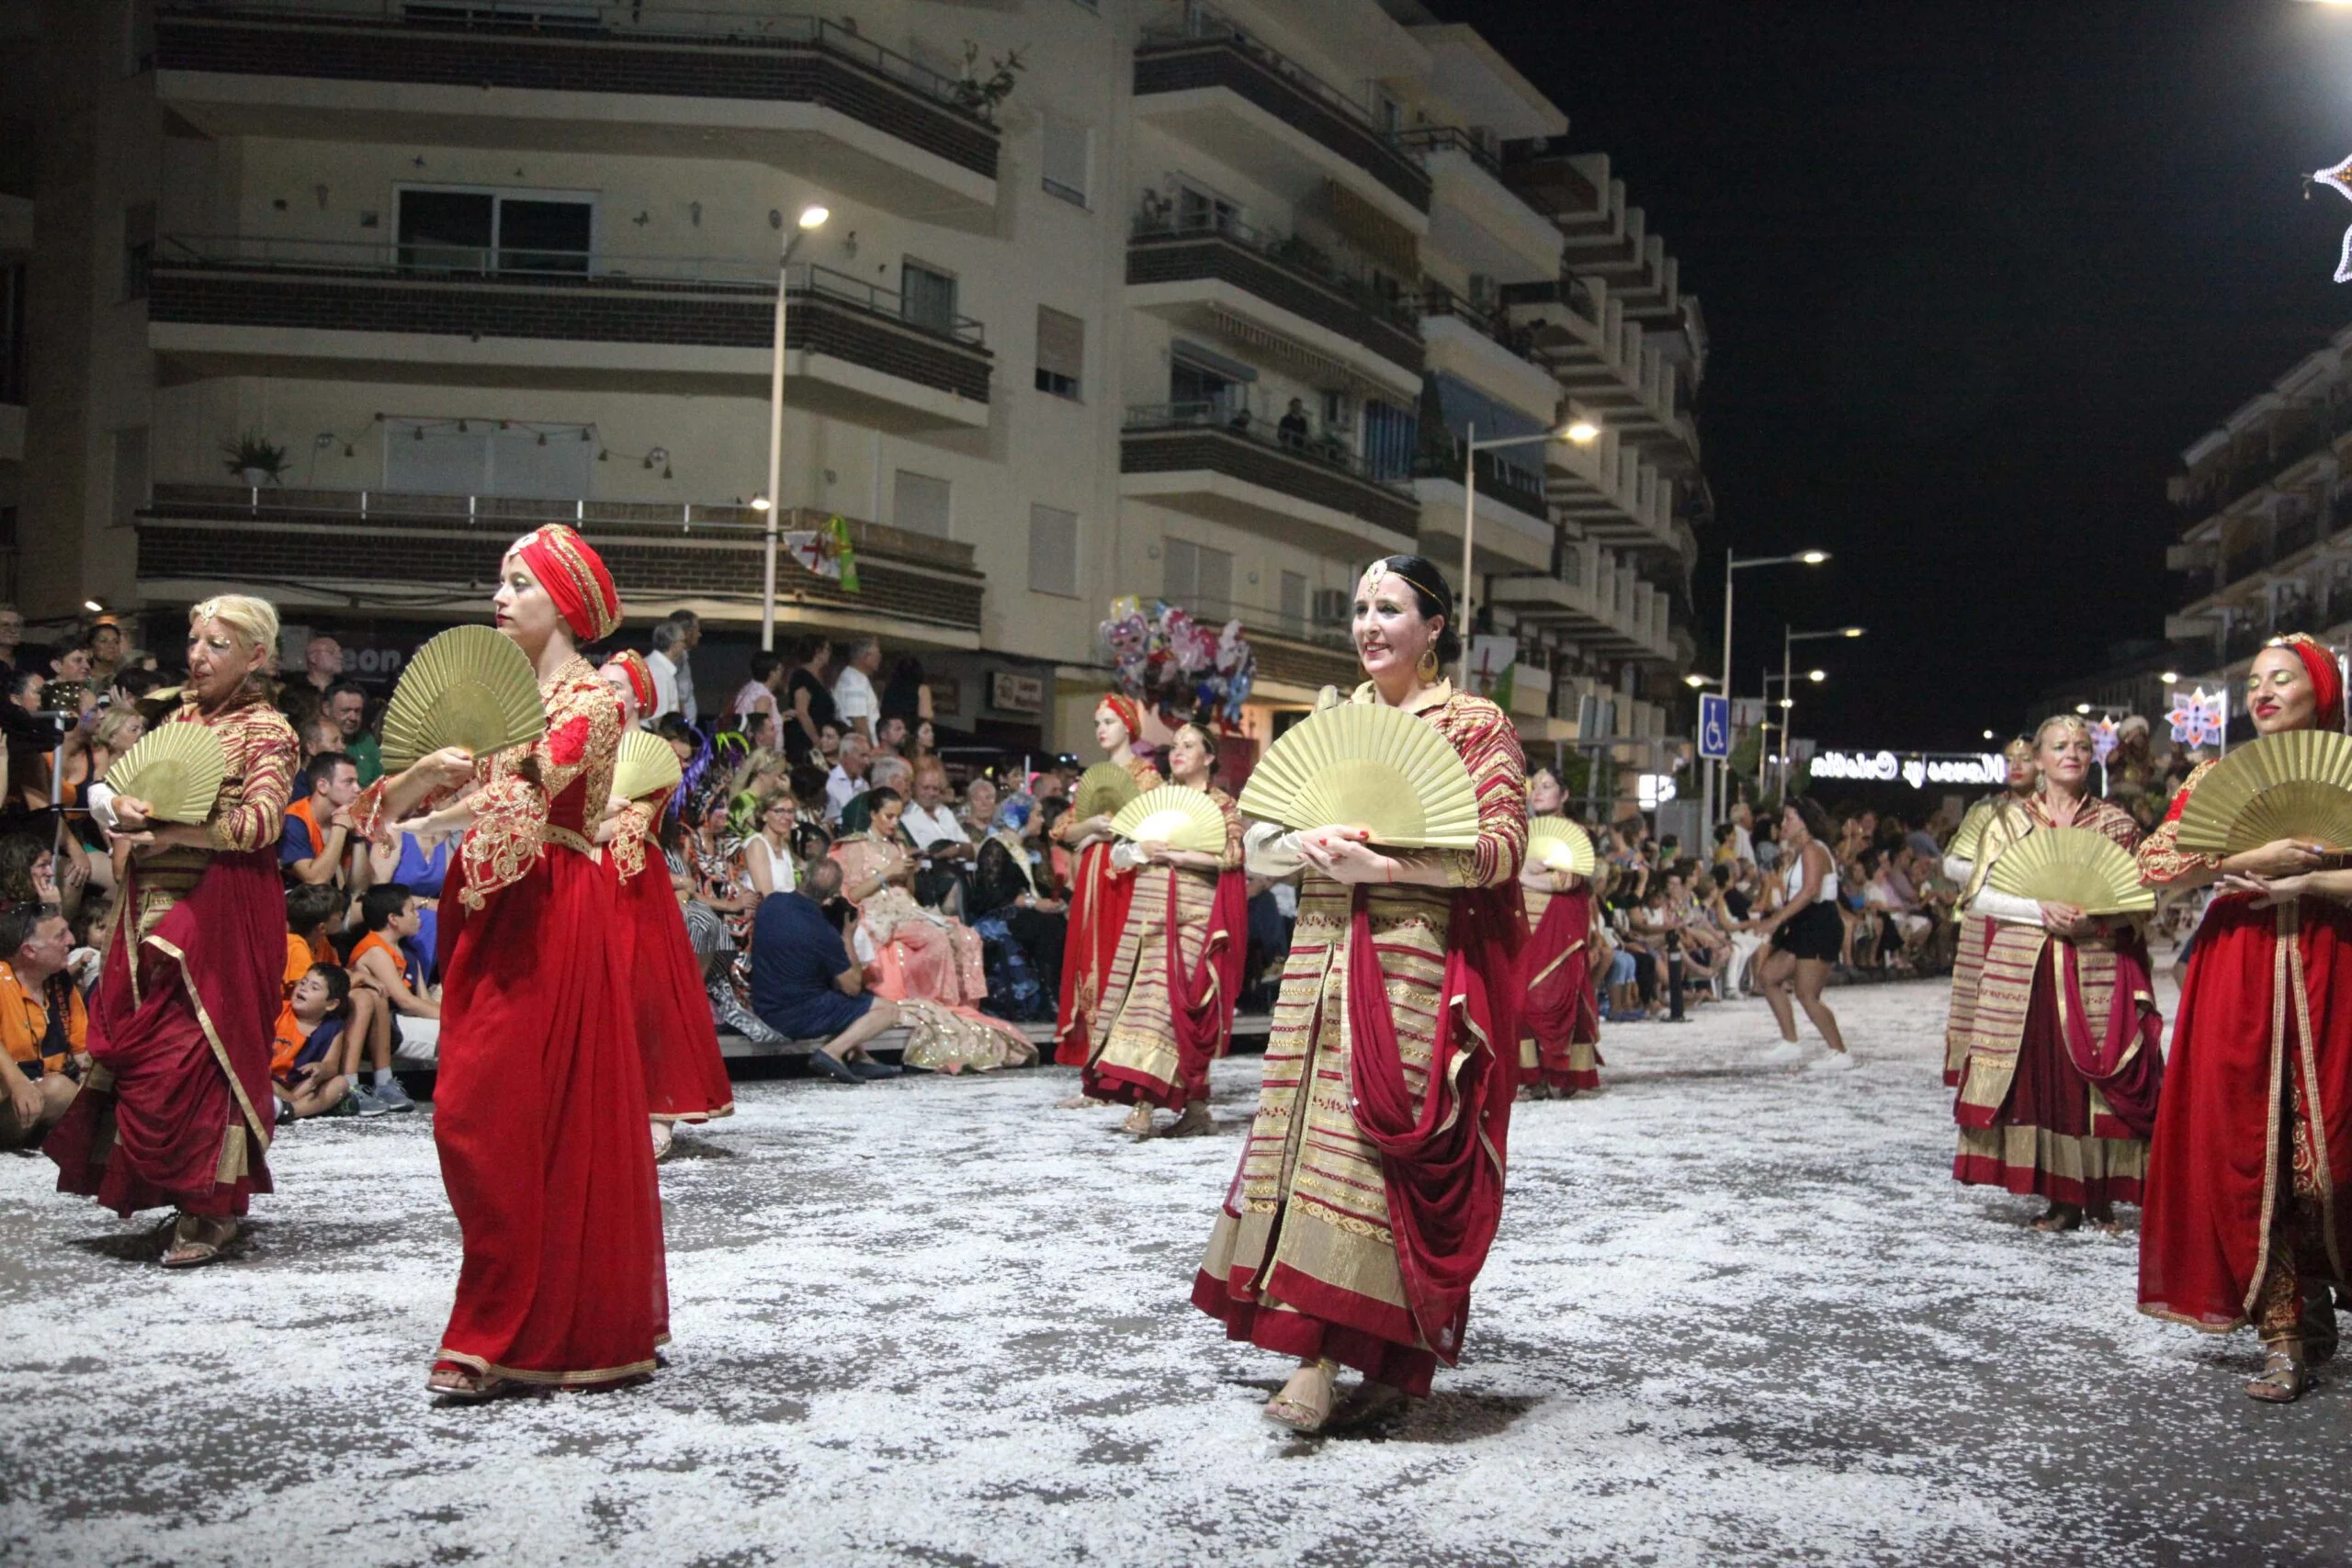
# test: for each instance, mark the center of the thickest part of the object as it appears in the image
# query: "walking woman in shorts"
(1805, 934)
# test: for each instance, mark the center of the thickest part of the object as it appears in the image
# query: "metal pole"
(776, 455)
(1469, 528)
(1729, 561)
(1787, 691)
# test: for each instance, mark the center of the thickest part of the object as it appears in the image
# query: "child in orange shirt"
(383, 972)
(302, 1066)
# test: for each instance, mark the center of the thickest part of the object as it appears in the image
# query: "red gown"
(178, 1109)
(2248, 1177)
(1099, 901)
(539, 1110)
(1557, 1005)
(685, 1076)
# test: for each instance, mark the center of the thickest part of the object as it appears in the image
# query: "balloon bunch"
(1176, 666)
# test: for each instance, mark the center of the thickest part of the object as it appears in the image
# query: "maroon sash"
(1557, 1005)
(1203, 998)
(2127, 1078)
(1441, 1162)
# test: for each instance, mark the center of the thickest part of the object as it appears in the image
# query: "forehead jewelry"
(1369, 584)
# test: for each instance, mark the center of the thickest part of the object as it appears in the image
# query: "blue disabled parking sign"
(1714, 726)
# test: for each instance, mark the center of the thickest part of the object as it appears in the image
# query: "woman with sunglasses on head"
(2247, 1219)
(1373, 1178)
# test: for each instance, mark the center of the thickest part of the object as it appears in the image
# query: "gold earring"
(1427, 668)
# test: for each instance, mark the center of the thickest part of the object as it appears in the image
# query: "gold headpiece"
(1395, 566)
(2019, 751)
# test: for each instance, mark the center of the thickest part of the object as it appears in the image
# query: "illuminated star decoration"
(2195, 719)
(2103, 739)
(2339, 179)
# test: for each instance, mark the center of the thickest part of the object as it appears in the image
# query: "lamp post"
(1731, 564)
(1788, 700)
(1789, 638)
(812, 217)
(1582, 432)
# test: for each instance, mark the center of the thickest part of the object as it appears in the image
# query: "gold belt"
(553, 835)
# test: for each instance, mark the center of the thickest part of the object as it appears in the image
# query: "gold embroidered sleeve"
(1230, 860)
(1489, 749)
(251, 812)
(2162, 860)
(635, 830)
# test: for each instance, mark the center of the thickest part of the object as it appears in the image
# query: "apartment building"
(331, 297)
(2269, 547)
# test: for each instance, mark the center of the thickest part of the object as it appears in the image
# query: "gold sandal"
(1138, 1121)
(2284, 1378)
(1299, 1415)
(461, 1384)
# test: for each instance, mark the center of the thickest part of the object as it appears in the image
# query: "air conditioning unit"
(1332, 607)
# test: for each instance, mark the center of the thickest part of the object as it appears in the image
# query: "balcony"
(732, 81)
(439, 554)
(1579, 332)
(1224, 276)
(1483, 347)
(1211, 84)
(1611, 495)
(1475, 217)
(387, 312)
(1515, 532)
(1593, 602)
(1603, 238)
(1204, 459)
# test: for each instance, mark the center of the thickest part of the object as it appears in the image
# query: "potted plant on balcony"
(253, 458)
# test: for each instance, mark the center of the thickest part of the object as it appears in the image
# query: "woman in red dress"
(1100, 894)
(1372, 1179)
(2246, 1210)
(539, 1113)
(1560, 1014)
(686, 1078)
(177, 1108)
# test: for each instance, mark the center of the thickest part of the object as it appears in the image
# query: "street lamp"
(1733, 563)
(1790, 638)
(812, 217)
(1581, 432)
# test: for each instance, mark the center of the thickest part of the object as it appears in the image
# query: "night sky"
(1975, 273)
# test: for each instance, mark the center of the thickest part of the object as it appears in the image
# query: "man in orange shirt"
(44, 1032)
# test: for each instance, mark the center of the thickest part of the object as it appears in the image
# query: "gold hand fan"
(646, 764)
(177, 769)
(1557, 844)
(2072, 865)
(1970, 835)
(1366, 765)
(1181, 818)
(2294, 785)
(470, 686)
(1102, 791)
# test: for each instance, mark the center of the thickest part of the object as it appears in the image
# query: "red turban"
(641, 677)
(2328, 677)
(1129, 713)
(574, 577)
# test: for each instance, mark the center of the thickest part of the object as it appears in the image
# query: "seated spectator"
(347, 708)
(712, 856)
(29, 873)
(943, 853)
(768, 855)
(977, 817)
(318, 735)
(805, 985)
(44, 1029)
(758, 694)
(310, 1038)
(412, 1013)
(847, 781)
(317, 827)
(1021, 929)
(890, 738)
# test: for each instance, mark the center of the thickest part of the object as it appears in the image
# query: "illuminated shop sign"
(1917, 770)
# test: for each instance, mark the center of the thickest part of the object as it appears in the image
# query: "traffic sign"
(1714, 726)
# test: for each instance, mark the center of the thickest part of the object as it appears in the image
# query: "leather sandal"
(2284, 1378)
(461, 1385)
(1138, 1121)
(1305, 1415)
(197, 1241)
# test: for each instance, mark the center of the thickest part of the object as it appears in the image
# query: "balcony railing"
(682, 301)
(1349, 297)
(1174, 437)
(1200, 48)
(1426, 138)
(1437, 299)
(2314, 428)
(399, 545)
(624, 46)
(1514, 487)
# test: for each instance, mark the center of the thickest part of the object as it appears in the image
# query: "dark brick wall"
(1186, 259)
(406, 558)
(771, 70)
(1219, 62)
(594, 310)
(1177, 451)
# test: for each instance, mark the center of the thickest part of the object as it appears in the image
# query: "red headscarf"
(2327, 676)
(641, 677)
(1129, 713)
(574, 577)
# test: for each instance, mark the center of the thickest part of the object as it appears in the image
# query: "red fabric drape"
(2212, 1162)
(539, 1117)
(189, 1053)
(685, 1076)
(1098, 913)
(2131, 1087)
(1557, 1005)
(1443, 1161)
(1202, 998)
